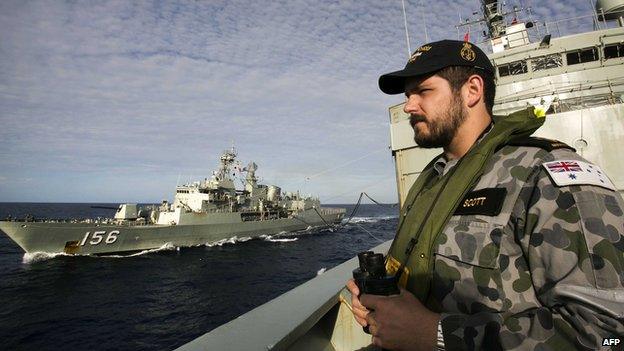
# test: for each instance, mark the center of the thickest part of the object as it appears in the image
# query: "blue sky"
(115, 101)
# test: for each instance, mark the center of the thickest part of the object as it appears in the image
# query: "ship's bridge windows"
(613, 51)
(582, 56)
(547, 62)
(512, 68)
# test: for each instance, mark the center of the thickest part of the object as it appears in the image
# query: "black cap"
(432, 57)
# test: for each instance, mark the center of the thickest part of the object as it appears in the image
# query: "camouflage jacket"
(546, 273)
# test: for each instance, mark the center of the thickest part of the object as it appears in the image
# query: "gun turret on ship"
(202, 212)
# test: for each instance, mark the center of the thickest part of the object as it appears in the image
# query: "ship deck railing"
(331, 210)
(105, 221)
(572, 25)
(313, 316)
(555, 28)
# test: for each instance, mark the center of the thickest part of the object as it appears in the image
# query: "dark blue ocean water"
(159, 300)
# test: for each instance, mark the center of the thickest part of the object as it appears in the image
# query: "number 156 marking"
(98, 236)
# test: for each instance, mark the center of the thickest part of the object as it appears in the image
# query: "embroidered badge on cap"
(488, 201)
(419, 52)
(467, 53)
(572, 172)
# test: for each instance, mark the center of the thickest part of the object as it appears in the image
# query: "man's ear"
(473, 90)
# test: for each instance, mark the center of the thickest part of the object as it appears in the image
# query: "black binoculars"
(371, 276)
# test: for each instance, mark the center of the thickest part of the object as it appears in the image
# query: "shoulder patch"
(543, 143)
(573, 172)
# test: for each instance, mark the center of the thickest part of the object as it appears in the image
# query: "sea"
(161, 299)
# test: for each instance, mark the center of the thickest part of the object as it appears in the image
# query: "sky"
(119, 101)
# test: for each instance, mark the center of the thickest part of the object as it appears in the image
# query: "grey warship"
(202, 212)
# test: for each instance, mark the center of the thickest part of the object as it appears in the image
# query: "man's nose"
(412, 105)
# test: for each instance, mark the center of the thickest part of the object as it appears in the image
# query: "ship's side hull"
(89, 238)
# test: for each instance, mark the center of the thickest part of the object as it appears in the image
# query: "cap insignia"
(419, 52)
(414, 56)
(467, 53)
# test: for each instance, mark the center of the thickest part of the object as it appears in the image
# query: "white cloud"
(134, 93)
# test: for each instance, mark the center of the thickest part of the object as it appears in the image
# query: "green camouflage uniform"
(546, 273)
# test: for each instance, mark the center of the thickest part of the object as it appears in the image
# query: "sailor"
(504, 241)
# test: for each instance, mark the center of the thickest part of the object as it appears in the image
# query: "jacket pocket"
(467, 276)
(470, 241)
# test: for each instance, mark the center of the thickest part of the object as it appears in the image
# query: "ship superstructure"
(219, 195)
(578, 78)
(201, 212)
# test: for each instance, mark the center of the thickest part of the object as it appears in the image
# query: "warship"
(578, 77)
(202, 212)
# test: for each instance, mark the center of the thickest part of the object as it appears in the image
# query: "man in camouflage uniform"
(531, 258)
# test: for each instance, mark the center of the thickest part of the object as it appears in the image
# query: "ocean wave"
(369, 219)
(34, 257)
(310, 230)
(232, 240)
(321, 271)
(44, 256)
(274, 239)
(165, 247)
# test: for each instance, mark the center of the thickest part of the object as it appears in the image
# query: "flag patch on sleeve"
(572, 172)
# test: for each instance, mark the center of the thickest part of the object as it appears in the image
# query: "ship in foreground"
(202, 212)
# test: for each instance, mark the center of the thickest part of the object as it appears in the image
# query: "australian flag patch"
(564, 166)
(573, 172)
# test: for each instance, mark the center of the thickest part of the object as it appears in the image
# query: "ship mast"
(227, 159)
(494, 19)
(501, 35)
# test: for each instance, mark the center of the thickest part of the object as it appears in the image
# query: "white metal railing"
(562, 87)
(331, 210)
(556, 28)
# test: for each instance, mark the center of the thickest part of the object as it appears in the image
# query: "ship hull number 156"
(100, 236)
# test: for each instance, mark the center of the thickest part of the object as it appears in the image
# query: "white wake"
(34, 257)
(275, 239)
(369, 219)
(232, 240)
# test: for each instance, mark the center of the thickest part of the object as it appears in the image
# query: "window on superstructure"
(614, 51)
(547, 62)
(582, 56)
(512, 68)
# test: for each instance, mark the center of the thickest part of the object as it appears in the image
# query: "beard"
(443, 127)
